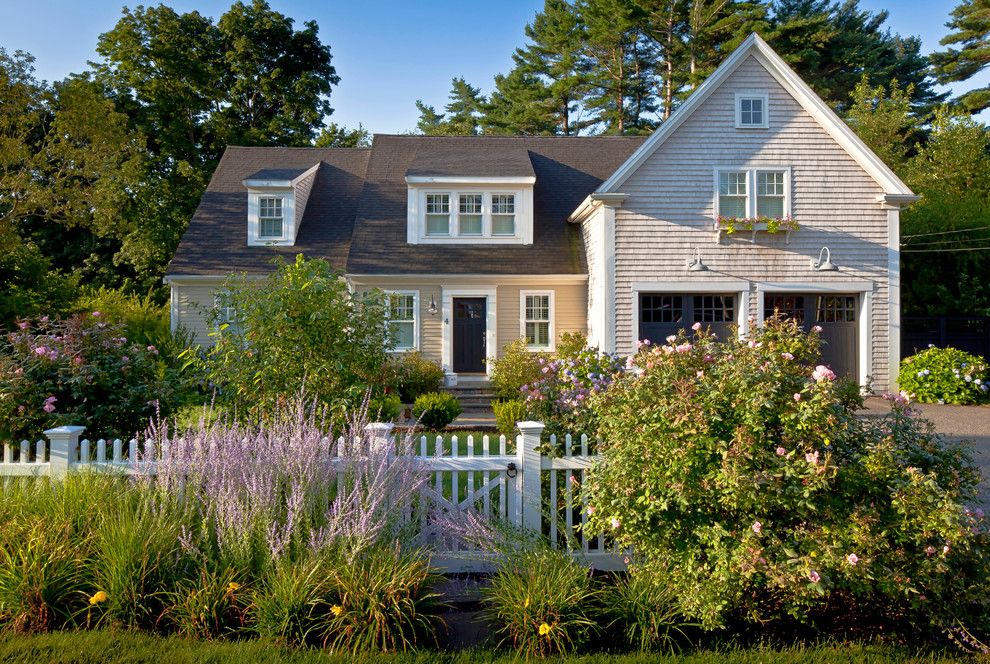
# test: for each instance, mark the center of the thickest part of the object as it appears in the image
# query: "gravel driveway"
(971, 423)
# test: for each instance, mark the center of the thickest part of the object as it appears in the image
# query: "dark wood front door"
(835, 314)
(469, 334)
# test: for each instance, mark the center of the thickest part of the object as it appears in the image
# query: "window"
(537, 319)
(270, 217)
(503, 214)
(402, 320)
(226, 311)
(438, 214)
(751, 111)
(772, 187)
(469, 217)
(733, 193)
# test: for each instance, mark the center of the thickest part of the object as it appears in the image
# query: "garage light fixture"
(696, 264)
(825, 265)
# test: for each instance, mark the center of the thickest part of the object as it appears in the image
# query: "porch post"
(530, 464)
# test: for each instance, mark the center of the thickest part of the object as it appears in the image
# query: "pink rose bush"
(702, 450)
(80, 371)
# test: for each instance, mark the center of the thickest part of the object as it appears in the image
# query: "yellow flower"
(100, 596)
(544, 629)
(233, 586)
(336, 610)
(526, 603)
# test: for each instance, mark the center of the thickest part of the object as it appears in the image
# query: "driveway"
(970, 423)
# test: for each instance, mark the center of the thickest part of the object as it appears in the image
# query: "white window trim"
(491, 324)
(738, 288)
(288, 218)
(415, 320)
(751, 187)
(281, 206)
(552, 337)
(763, 96)
(416, 224)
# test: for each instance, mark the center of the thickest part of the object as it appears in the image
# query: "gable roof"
(754, 45)
(216, 241)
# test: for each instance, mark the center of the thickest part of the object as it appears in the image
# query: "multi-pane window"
(733, 193)
(836, 309)
(270, 217)
(751, 112)
(402, 320)
(438, 214)
(770, 194)
(226, 311)
(714, 308)
(469, 214)
(661, 308)
(537, 320)
(503, 214)
(785, 306)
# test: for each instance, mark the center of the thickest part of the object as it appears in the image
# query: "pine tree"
(971, 25)
(461, 116)
(520, 104)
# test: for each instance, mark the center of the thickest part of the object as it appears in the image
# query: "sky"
(388, 54)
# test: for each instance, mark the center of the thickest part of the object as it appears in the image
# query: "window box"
(754, 225)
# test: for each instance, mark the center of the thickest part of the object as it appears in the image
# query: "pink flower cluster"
(822, 373)
(49, 406)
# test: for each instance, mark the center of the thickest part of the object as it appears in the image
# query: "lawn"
(111, 647)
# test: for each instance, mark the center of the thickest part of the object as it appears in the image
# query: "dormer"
(276, 203)
(458, 196)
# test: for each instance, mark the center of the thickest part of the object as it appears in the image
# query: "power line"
(947, 242)
(941, 251)
(961, 230)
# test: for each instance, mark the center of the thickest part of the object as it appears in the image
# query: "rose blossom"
(812, 458)
(822, 373)
(797, 396)
(815, 578)
(590, 510)
(945, 550)
(615, 523)
(787, 356)
(672, 338)
(816, 329)
(781, 451)
(757, 527)
(696, 327)
(852, 558)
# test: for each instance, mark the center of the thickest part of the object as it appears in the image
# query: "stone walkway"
(969, 423)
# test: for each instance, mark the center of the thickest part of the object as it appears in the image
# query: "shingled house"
(753, 197)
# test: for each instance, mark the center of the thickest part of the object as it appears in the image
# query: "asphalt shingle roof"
(356, 214)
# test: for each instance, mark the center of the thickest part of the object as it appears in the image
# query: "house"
(483, 240)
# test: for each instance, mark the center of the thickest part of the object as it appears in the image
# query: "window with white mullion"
(733, 194)
(470, 219)
(771, 194)
(438, 214)
(270, 217)
(503, 214)
(401, 316)
(537, 316)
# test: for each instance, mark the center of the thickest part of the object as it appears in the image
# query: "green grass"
(131, 648)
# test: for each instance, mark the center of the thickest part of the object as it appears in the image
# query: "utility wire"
(961, 230)
(947, 242)
(940, 251)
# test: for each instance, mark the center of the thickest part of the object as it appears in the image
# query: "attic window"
(270, 217)
(751, 111)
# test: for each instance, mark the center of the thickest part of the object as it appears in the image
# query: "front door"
(835, 314)
(470, 327)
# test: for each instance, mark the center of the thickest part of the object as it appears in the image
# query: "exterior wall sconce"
(433, 305)
(825, 265)
(696, 264)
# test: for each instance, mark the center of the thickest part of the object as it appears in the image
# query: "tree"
(882, 118)
(462, 114)
(339, 136)
(832, 45)
(520, 104)
(971, 25)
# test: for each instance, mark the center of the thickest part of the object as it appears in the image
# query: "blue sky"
(388, 54)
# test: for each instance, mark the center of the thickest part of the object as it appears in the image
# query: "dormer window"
(270, 217)
(751, 111)
(448, 210)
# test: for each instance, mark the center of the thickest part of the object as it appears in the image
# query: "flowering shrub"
(560, 395)
(80, 371)
(732, 466)
(773, 224)
(945, 375)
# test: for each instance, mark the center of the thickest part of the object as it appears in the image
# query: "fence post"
(63, 449)
(531, 466)
(378, 433)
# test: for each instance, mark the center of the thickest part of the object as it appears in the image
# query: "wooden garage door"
(837, 314)
(663, 314)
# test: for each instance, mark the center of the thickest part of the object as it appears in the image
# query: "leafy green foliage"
(507, 414)
(542, 603)
(385, 602)
(732, 466)
(299, 329)
(644, 607)
(32, 286)
(385, 407)
(339, 136)
(435, 410)
(81, 371)
(291, 606)
(207, 606)
(945, 375)
(414, 374)
(515, 367)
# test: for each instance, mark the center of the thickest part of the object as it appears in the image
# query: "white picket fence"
(505, 480)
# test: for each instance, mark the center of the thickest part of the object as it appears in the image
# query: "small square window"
(751, 111)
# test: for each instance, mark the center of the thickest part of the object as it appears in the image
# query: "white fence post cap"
(530, 425)
(382, 428)
(65, 431)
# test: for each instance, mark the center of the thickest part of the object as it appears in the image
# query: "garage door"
(663, 314)
(837, 315)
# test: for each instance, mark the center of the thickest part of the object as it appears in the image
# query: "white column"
(530, 465)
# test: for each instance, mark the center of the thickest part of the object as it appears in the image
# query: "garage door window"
(664, 314)
(661, 308)
(836, 309)
(714, 308)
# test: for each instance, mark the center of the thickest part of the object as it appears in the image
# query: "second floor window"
(438, 214)
(733, 193)
(270, 217)
(752, 193)
(770, 194)
(469, 219)
(503, 214)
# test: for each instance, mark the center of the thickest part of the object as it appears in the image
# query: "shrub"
(435, 410)
(507, 414)
(643, 605)
(300, 329)
(733, 465)
(143, 320)
(80, 371)
(516, 367)
(945, 375)
(384, 602)
(212, 605)
(290, 606)
(384, 408)
(542, 603)
(415, 375)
